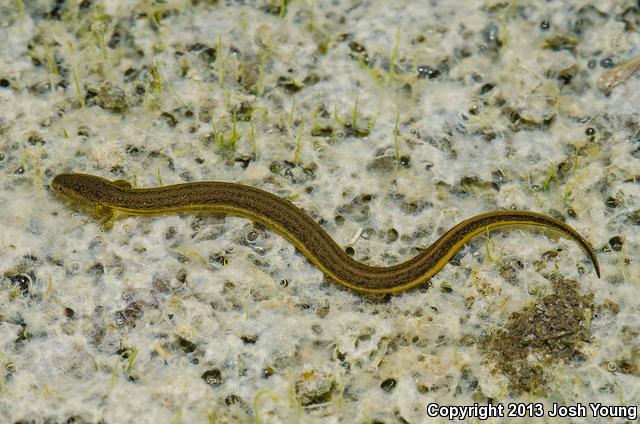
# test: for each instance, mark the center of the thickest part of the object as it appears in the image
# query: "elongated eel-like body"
(295, 225)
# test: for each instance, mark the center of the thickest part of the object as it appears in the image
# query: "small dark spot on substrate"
(119, 318)
(170, 233)
(244, 161)
(84, 131)
(544, 25)
(4, 83)
(405, 161)
(566, 79)
(117, 170)
(457, 257)
(96, 269)
(220, 260)
(160, 285)
(327, 131)
(130, 74)
(590, 131)
(250, 339)
(284, 282)
(275, 168)
(213, 377)
(350, 251)
(607, 62)
(633, 217)
(187, 346)
(267, 372)
(112, 97)
(350, 130)
(232, 399)
(426, 71)
(22, 281)
(616, 243)
(132, 150)
(486, 88)
(388, 385)
(611, 202)
(391, 235)
(169, 119)
(196, 47)
(69, 313)
(181, 276)
(35, 138)
(356, 47)
(289, 84)
(208, 55)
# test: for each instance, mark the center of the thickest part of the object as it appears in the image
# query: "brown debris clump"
(545, 333)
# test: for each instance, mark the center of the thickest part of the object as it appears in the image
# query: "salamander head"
(82, 188)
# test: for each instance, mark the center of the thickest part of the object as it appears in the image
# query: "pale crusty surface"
(461, 107)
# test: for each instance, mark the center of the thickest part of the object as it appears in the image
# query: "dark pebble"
(356, 47)
(425, 71)
(391, 235)
(566, 79)
(208, 55)
(244, 161)
(607, 62)
(169, 119)
(616, 243)
(69, 313)
(487, 88)
(213, 378)
(611, 202)
(22, 281)
(170, 233)
(96, 269)
(220, 260)
(231, 399)
(388, 385)
(267, 372)
(249, 339)
(181, 276)
(187, 346)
